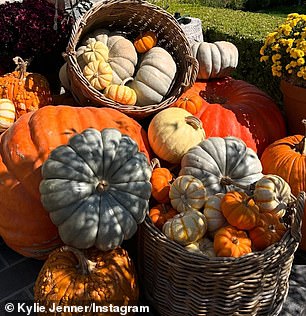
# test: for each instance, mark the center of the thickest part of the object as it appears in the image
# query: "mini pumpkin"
(96, 188)
(161, 180)
(172, 132)
(7, 114)
(187, 193)
(202, 246)
(239, 210)
(186, 227)
(71, 276)
(145, 41)
(191, 103)
(121, 93)
(229, 241)
(267, 231)
(94, 51)
(160, 213)
(28, 91)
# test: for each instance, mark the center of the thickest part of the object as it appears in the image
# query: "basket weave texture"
(180, 283)
(131, 17)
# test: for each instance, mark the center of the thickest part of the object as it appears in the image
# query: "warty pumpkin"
(187, 193)
(96, 188)
(229, 241)
(7, 114)
(222, 164)
(216, 60)
(25, 225)
(237, 108)
(172, 132)
(71, 277)
(28, 91)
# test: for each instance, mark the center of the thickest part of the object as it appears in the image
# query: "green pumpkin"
(96, 188)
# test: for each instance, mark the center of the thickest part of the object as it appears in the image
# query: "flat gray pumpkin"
(222, 164)
(96, 188)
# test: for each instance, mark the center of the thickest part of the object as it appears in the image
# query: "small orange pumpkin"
(161, 180)
(28, 91)
(239, 210)
(191, 103)
(160, 213)
(231, 242)
(268, 231)
(145, 41)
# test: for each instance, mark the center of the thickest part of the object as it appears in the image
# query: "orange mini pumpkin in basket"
(145, 41)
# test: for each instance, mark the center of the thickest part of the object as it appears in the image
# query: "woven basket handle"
(192, 73)
(297, 219)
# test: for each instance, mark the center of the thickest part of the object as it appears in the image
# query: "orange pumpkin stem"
(86, 266)
(195, 122)
(21, 66)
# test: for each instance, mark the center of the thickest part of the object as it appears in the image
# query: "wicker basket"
(131, 17)
(180, 283)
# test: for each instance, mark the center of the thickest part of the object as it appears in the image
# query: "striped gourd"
(7, 114)
(187, 193)
(186, 227)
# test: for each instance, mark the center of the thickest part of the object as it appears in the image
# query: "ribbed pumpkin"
(121, 93)
(96, 188)
(232, 242)
(82, 278)
(187, 193)
(94, 51)
(190, 102)
(172, 132)
(186, 227)
(237, 108)
(221, 163)
(145, 41)
(28, 91)
(7, 114)
(160, 213)
(202, 246)
(23, 150)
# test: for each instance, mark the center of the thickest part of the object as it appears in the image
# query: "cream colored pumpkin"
(187, 193)
(272, 193)
(172, 132)
(122, 55)
(216, 60)
(63, 77)
(213, 213)
(7, 114)
(202, 246)
(99, 74)
(154, 77)
(95, 51)
(186, 227)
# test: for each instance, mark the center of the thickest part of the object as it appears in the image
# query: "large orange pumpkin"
(24, 224)
(286, 158)
(236, 108)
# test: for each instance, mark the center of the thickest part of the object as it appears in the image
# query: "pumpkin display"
(28, 91)
(272, 193)
(122, 55)
(7, 114)
(154, 76)
(94, 51)
(191, 103)
(202, 246)
(237, 108)
(213, 213)
(186, 227)
(229, 241)
(24, 148)
(73, 277)
(121, 93)
(96, 188)
(145, 41)
(267, 231)
(160, 213)
(187, 193)
(222, 164)
(239, 210)
(172, 132)
(216, 60)
(286, 157)
(99, 74)
(161, 180)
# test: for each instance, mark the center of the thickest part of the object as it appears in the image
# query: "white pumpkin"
(7, 114)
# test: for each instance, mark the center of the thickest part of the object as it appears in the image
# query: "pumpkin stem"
(21, 66)
(301, 146)
(194, 122)
(126, 80)
(235, 240)
(271, 228)
(102, 186)
(86, 265)
(228, 181)
(155, 163)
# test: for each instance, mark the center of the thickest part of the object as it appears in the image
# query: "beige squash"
(7, 114)
(202, 246)
(172, 132)
(95, 51)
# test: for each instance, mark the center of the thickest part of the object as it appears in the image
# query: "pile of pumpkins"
(82, 176)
